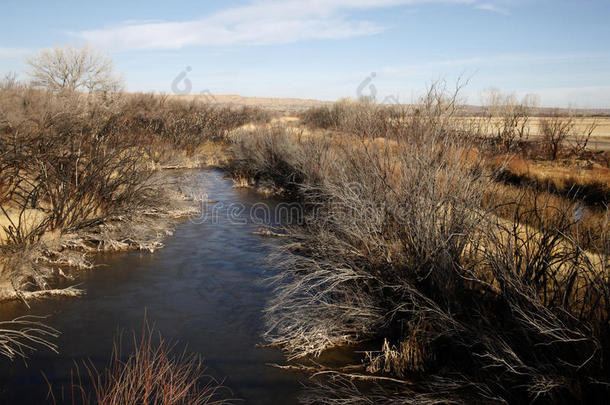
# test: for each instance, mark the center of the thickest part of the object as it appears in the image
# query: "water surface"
(202, 289)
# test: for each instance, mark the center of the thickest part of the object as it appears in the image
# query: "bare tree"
(10, 81)
(507, 118)
(74, 69)
(555, 130)
(581, 139)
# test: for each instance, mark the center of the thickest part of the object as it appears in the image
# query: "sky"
(330, 49)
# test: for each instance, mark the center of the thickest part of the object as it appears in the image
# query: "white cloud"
(16, 53)
(258, 23)
(493, 8)
(588, 97)
(491, 61)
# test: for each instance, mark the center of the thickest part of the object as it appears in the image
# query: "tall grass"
(151, 374)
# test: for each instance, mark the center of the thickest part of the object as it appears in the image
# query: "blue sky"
(325, 49)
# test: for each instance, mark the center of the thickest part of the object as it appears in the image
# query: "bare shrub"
(10, 81)
(80, 168)
(24, 334)
(355, 117)
(580, 139)
(555, 130)
(275, 156)
(403, 246)
(79, 160)
(322, 117)
(67, 166)
(508, 120)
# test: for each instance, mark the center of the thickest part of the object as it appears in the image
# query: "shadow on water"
(203, 289)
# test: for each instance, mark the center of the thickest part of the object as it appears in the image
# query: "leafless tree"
(507, 118)
(10, 81)
(555, 130)
(74, 69)
(580, 142)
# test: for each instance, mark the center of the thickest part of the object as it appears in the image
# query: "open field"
(600, 137)
(291, 107)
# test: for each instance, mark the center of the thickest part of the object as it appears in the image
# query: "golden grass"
(585, 180)
(600, 137)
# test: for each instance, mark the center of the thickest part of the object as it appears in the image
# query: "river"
(203, 289)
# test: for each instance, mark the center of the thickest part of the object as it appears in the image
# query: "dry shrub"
(402, 245)
(507, 120)
(163, 121)
(274, 155)
(78, 160)
(356, 117)
(61, 160)
(77, 172)
(322, 117)
(23, 334)
(555, 130)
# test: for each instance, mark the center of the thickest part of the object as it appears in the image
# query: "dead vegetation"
(80, 164)
(472, 285)
(24, 334)
(152, 373)
(468, 297)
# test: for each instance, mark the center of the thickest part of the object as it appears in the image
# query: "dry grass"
(151, 374)
(586, 181)
(601, 131)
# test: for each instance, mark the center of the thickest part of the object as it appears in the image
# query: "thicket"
(402, 250)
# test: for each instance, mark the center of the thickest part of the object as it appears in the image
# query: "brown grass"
(587, 181)
(151, 374)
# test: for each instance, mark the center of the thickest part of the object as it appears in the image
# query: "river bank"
(35, 271)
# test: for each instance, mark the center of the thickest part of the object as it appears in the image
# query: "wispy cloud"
(493, 8)
(7, 52)
(491, 61)
(589, 97)
(258, 23)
